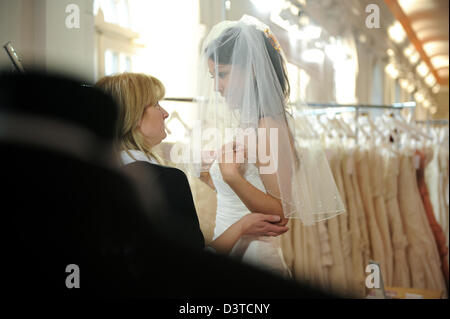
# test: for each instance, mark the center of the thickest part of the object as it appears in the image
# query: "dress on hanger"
(343, 219)
(435, 227)
(399, 240)
(444, 190)
(301, 264)
(325, 253)
(420, 257)
(307, 258)
(376, 178)
(362, 221)
(432, 178)
(376, 239)
(358, 267)
(433, 253)
(318, 274)
(337, 272)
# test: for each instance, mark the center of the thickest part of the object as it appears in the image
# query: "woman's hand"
(231, 161)
(208, 157)
(253, 224)
(256, 224)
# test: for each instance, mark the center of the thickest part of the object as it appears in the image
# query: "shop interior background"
(334, 56)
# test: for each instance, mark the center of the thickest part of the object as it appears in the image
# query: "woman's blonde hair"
(133, 92)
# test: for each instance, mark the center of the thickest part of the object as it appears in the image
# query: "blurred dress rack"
(377, 163)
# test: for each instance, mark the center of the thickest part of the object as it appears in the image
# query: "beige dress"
(337, 271)
(376, 178)
(307, 253)
(422, 252)
(399, 240)
(376, 239)
(444, 190)
(432, 179)
(344, 228)
(362, 221)
(357, 248)
(436, 263)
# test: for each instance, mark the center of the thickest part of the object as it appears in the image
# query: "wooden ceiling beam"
(398, 13)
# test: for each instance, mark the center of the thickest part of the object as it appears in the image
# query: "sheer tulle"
(242, 98)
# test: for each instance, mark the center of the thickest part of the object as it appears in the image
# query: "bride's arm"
(251, 224)
(252, 197)
(255, 200)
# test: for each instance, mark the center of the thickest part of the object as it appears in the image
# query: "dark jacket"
(166, 190)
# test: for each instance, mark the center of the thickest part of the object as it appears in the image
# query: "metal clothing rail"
(356, 107)
(322, 105)
(179, 99)
(364, 106)
(433, 122)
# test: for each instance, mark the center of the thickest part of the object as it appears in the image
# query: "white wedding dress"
(260, 251)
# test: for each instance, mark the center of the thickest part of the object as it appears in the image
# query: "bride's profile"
(260, 167)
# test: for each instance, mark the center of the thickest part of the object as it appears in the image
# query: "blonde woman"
(140, 128)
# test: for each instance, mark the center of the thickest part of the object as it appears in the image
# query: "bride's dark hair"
(223, 52)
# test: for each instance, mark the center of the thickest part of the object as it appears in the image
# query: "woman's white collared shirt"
(138, 156)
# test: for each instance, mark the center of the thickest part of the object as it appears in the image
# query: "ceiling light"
(397, 33)
(422, 69)
(295, 11)
(408, 51)
(404, 83)
(413, 58)
(303, 20)
(362, 38)
(436, 89)
(392, 70)
(419, 97)
(430, 80)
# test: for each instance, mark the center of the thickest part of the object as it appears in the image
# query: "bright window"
(377, 85)
(293, 75)
(115, 11)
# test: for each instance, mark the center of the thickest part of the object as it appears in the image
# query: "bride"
(256, 165)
